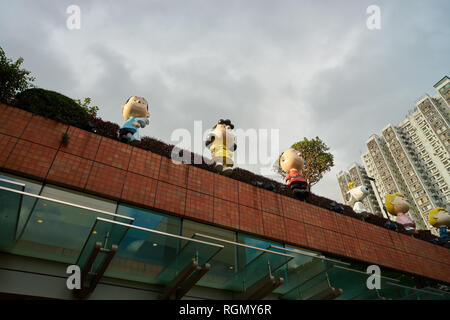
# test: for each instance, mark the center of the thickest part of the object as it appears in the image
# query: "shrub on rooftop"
(52, 105)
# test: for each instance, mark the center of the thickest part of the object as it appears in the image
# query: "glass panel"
(309, 273)
(313, 287)
(79, 198)
(393, 292)
(12, 185)
(247, 255)
(352, 283)
(223, 264)
(257, 269)
(108, 234)
(54, 230)
(428, 294)
(239, 279)
(191, 251)
(151, 256)
(10, 204)
(397, 291)
(31, 186)
(298, 271)
(150, 219)
(302, 278)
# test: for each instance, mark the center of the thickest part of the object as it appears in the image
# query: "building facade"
(142, 227)
(413, 157)
(358, 175)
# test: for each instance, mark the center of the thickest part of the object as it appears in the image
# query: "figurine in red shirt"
(292, 163)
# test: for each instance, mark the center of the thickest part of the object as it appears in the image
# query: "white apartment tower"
(413, 157)
(381, 164)
(358, 175)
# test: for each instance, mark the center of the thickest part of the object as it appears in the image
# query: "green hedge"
(52, 105)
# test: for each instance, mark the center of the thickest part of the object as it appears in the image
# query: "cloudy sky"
(307, 68)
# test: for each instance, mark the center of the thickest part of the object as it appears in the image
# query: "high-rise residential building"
(443, 89)
(421, 190)
(413, 157)
(358, 175)
(388, 178)
(343, 179)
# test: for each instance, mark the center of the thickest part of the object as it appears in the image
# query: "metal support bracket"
(89, 280)
(261, 289)
(184, 281)
(329, 293)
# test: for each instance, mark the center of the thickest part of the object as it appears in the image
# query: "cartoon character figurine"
(221, 143)
(135, 112)
(440, 218)
(292, 163)
(355, 196)
(397, 205)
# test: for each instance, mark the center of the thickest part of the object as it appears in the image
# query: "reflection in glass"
(246, 255)
(223, 265)
(78, 198)
(54, 230)
(31, 186)
(147, 255)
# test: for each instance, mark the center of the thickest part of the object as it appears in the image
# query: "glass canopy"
(146, 255)
(311, 275)
(154, 252)
(241, 276)
(53, 229)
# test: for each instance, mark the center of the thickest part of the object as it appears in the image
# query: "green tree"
(13, 79)
(85, 105)
(317, 160)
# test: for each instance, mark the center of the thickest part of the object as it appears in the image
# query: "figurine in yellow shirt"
(221, 143)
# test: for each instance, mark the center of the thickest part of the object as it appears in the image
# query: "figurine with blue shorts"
(135, 112)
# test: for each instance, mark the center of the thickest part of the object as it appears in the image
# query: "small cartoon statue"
(355, 196)
(292, 163)
(397, 205)
(135, 112)
(440, 218)
(221, 142)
